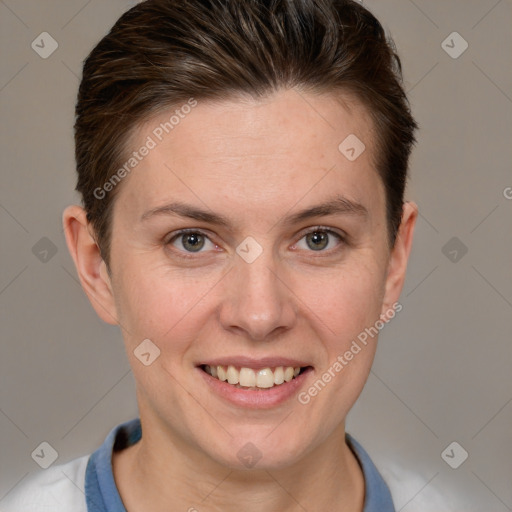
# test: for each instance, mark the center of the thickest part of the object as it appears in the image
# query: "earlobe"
(89, 264)
(399, 256)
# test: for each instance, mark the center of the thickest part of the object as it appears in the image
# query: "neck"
(161, 469)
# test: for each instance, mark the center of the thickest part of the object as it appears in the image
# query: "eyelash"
(185, 254)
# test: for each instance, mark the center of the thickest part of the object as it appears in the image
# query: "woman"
(242, 166)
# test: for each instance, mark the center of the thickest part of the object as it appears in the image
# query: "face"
(284, 264)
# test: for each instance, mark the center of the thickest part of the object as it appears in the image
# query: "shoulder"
(57, 489)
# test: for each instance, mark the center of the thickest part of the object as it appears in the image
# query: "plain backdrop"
(442, 372)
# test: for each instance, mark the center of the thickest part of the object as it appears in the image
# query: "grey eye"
(317, 240)
(193, 242)
(190, 241)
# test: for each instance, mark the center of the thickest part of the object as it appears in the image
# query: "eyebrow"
(338, 205)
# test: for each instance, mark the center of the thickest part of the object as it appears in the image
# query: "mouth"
(254, 379)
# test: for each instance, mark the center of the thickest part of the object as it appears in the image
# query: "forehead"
(251, 154)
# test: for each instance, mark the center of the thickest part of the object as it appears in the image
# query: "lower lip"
(255, 399)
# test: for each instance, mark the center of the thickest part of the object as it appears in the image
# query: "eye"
(319, 239)
(191, 241)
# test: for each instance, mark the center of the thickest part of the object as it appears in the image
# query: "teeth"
(288, 373)
(279, 375)
(233, 375)
(221, 373)
(248, 378)
(265, 378)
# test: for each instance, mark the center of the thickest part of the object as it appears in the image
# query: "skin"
(254, 162)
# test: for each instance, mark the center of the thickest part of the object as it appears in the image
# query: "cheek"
(159, 305)
(349, 307)
(347, 301)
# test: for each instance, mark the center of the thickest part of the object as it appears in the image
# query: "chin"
(261, 451)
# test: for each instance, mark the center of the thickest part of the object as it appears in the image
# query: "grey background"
(443, 368)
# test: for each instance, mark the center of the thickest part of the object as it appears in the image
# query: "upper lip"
(256, 364)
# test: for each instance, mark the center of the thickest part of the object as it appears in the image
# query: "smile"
(248, 378)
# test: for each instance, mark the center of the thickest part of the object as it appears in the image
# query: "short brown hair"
(161, 53)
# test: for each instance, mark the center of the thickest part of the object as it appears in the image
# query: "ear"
(92, 270)
(399, 256)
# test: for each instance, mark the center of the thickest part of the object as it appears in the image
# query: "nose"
(257, 301)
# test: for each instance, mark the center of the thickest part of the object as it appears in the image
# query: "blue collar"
(101, 493)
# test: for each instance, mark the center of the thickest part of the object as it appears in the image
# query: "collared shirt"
(87, 484)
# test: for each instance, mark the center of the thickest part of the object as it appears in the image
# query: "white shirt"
(56, 489)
